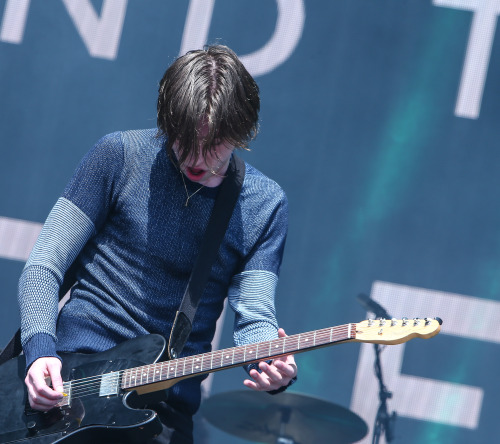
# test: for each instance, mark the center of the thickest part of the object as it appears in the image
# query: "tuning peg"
(416, 321)
(405, 322)
(394, 322)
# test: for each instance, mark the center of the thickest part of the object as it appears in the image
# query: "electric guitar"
(100, 388)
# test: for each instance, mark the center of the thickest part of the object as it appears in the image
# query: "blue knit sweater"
(122, 218)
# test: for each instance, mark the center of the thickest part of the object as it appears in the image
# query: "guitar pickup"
(109, 384)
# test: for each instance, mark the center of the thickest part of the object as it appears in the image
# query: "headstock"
(396, 331)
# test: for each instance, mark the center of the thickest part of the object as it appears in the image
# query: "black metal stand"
(285, 419)
(383, 421)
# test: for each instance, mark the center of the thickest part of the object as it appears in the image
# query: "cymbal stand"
(285, 419)
(383, 421)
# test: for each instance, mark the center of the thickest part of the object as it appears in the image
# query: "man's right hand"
(41, 396)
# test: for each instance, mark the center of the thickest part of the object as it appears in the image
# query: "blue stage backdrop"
(379, 119)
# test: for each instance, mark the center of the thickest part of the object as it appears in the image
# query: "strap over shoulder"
(225, 202)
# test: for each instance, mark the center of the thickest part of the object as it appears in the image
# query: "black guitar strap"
(214, 233)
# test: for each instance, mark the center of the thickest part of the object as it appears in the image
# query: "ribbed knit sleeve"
(67, 229)
(252, 291)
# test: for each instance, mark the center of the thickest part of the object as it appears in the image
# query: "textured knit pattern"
(122, 216)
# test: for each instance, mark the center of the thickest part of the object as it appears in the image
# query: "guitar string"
(86, 386)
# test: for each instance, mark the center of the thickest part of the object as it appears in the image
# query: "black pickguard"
(90, 417)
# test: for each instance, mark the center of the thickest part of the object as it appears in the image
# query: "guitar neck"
(161, 375)
(182, 368)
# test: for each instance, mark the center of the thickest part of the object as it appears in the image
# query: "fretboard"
(236, 356)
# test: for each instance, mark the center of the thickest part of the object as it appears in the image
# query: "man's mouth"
(194, 173)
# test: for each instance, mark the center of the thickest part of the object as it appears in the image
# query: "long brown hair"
(208, 86)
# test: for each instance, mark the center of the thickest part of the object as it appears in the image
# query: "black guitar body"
(88, 417)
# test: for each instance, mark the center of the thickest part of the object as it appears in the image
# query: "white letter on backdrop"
(17, 238)
(414, 396)
(14, 21)
(288, 31)
(197, 24)
(101, 35)
(477, 56)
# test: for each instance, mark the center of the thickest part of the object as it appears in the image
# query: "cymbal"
(299, 418)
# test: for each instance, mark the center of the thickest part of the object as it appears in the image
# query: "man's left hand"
(275, 375)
